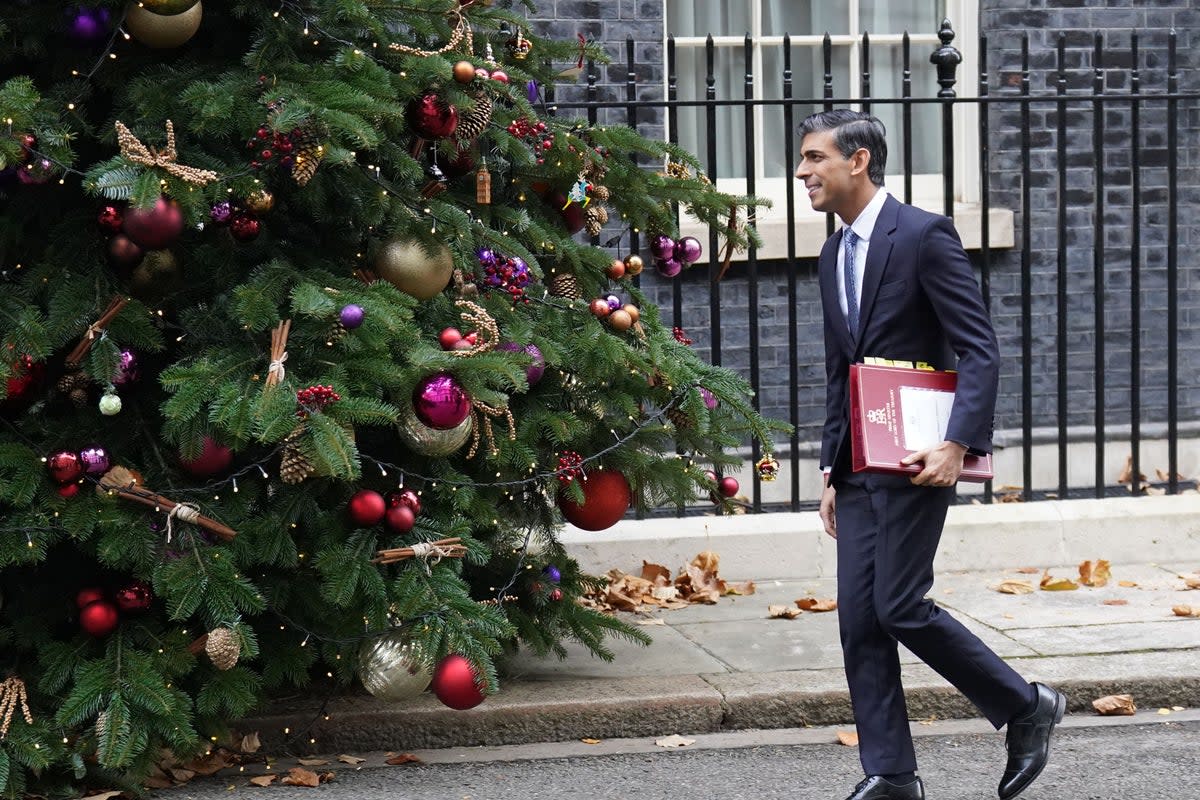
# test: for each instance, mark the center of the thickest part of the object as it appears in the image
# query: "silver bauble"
(391, 667)
(161, 30)
(429, 441)
(406, 264)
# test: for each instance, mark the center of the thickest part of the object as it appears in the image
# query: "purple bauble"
(552, 573)
(127, 368)
(668, 268)
(221, 213)
(688, 250)
(35, 172)
(352, 316)
(613, 301)
(486, 256)
(710, 400)
(88, 25)
(95, 460)
(440, 402)
(520, 272)
(533, 373)
(662, 246)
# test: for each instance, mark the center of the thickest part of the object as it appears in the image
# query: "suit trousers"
(888, 534)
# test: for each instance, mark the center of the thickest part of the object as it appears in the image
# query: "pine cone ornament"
(337, 332)
(473, 123)
(678, 418)
(564, 284)
(594, 219)
(75, 385)
(101, 724)
(600, 193)
(294, 467)
(223, 648)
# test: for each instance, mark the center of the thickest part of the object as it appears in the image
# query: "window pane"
(729, 71)
(897, 16)
(804, 17)
(702, 17)
(887, 67)
(808, 80)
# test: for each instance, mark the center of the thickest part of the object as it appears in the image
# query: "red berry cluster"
(314, 399)
(680, 336)
(570, 466)
(267, 144)
(535, 135)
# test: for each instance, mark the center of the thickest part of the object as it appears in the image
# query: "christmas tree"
(307, 350)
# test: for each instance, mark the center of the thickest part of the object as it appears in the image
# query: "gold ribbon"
(164, 159)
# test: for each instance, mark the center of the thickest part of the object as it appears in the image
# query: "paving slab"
(671, 653)
(1171, 634)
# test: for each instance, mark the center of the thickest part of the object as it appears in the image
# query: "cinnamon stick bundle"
(75, 357)
(122, 482)
(442, 548)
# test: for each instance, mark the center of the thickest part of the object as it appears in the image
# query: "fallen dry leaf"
(848, 738)
(1051, 584)
(813, 604)
(1094, 576)
(1116, 602)
(674, 740)
(209, 765)
(402, 758)
(1186, 611)
(1165, 476)
(744, 588)
(1127, 584)
(326, 777)
(181, 775)
(345, 759)
(157, 782)
(590, 741)
(1011, 586)
(652, 621)
(250, 743)
(1126, 475)
(1190, 582)
(1115, 705)
(1028, 570)
(1162, 712)
(312, 762)
(783, 612)
(103, 795)
(263, 780)
(656, 574)
(299, 776)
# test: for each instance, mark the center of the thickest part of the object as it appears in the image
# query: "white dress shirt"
(862, 226)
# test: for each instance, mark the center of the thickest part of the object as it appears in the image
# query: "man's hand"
(942, 464)
(828, 511)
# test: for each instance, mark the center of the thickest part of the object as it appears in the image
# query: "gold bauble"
(260, 202)
(407, 265)
(432, 442)
(166, 8)
(391, 667)
(163, 30)
(634, 264)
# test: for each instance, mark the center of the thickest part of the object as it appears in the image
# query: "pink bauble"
(669, 267)
(154, 228)
(440, 402)
(710, 400)
(456, 684)
(688, 249)
(213, 458)
(95, 460)
(662, 246)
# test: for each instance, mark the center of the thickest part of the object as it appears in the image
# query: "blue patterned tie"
(850, 244)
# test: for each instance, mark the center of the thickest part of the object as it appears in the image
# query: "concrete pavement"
(728, 667)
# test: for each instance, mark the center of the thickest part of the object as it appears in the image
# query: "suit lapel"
(878, 252)
(827, 267)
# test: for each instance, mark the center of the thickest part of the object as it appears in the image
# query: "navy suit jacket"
(920, 302)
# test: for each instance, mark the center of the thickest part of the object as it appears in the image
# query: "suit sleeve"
(949, 282)
(837, 378)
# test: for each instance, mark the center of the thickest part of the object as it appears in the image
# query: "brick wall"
(1004, 26)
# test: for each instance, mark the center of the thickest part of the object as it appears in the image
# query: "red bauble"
(599, 307)
(408, 498)
(68, 490)
(456, 683)
(449, 337)
(111, 219)
(400, 519)
(606, 498)
(25, 381)
(65, 466)
(88, 595)
(432, 117)
(154, 228)
(366, 508)
(99, 618)
(245, 227)
(214, 458)
(123, 252)
(135, 597)
(728, 486)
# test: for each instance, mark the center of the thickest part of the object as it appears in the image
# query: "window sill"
(810, 231)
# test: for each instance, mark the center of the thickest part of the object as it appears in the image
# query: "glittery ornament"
(245, 227)
(221, 213)
(405, 497)
(223, 648)
(260, 202)
(110, 405)
(767, 468)
(135, 597)
(440, 402)
(127, 368)
(95, 460)
(456, 683)
(556, 595)
(710, 400)
(431, 442)
(110, 219)
(392, 667)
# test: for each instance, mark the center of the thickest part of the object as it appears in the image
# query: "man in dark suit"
(896, 284)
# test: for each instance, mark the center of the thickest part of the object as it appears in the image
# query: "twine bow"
(279, 336)
(164, 159)
(12, 697)
(188, 512)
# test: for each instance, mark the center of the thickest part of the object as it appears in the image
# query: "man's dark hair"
(853, 130)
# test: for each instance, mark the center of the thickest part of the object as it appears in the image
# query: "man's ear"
(860, 159)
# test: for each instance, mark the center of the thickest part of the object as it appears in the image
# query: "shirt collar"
(864, 223)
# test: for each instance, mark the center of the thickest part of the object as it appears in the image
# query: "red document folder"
(895, 411)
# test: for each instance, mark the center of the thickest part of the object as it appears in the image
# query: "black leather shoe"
(876, 787)
(1028, 741)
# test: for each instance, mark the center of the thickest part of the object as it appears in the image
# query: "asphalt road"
(1149, 757)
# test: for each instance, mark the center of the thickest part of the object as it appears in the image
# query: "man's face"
(827, 174)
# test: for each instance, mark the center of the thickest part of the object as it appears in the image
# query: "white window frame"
(927, 188)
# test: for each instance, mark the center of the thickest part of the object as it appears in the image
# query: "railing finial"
(947, 58)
